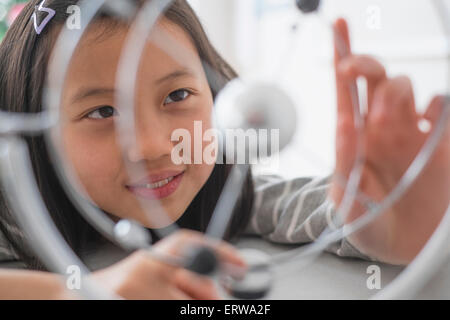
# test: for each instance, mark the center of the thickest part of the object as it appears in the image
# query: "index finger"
(342, 50)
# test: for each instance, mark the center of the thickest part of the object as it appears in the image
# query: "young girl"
(171, 94)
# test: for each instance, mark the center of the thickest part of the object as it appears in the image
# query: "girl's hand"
(141, 277)
(392, 139)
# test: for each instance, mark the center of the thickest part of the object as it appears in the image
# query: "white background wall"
(255, 37)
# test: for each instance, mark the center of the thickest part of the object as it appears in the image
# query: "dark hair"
(24, 59)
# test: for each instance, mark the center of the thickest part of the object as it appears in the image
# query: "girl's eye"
(102, 113)
(177, 96)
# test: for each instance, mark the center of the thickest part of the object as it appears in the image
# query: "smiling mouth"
(155, 185)
(158, 189)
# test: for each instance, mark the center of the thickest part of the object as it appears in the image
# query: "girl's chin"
(148, 220)
(144, 211)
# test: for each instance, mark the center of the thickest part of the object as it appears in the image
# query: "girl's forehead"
(168, 47)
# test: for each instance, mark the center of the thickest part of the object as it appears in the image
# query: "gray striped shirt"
(290, 211)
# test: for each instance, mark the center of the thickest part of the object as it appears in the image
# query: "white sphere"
(256, 106)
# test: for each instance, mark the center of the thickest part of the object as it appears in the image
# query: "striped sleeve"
(295, 211)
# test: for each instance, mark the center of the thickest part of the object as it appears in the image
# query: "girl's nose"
(152, 140)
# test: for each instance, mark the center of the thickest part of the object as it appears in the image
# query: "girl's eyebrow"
(87, 92)
(176, 74)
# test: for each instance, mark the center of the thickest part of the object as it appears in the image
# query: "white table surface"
(329, 277)
(333, 277)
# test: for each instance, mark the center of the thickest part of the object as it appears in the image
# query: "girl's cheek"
(95, 161)
(205, 166)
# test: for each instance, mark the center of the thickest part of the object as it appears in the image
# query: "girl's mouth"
(157, 189)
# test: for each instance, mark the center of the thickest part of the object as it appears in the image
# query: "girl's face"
(171, 94)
